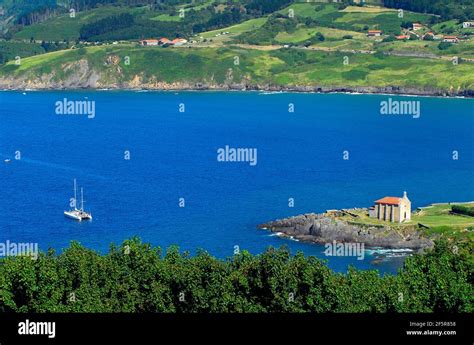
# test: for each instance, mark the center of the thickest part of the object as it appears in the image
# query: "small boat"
(78, 214)
(7, 160)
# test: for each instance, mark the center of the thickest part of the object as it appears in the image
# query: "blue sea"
(173, 155)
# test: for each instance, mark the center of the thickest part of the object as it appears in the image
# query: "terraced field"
(233, 31)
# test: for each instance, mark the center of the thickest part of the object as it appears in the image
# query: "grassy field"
(302, 34)
(168, 18)
(187, 7)
(367, 9)
(311, 10)
(461, 49)
(234, 30)
(439, 215)
(345, 44)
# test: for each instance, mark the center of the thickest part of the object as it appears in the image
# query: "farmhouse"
(179, 42)
(149, 42)
(402, 37)
(163, 40)
(416, 26)
(450, 39)
(466, 25)
(374, 33)
(393, 209)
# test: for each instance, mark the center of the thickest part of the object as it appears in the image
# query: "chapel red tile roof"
(390, 200)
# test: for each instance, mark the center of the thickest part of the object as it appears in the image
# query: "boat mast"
(75, 196)
(82, 200)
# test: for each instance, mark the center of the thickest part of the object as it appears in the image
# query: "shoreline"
(176, 87)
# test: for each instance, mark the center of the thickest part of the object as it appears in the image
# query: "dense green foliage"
(265, 6)
(105, 25)
(9, 50)
(447, 9)
(461, 209)
(138, 278)
(39, 14)
(219, 20)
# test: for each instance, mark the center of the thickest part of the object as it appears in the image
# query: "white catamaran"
(78, 214)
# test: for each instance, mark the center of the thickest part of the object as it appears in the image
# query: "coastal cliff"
(136, 68)
(86, 78)
(326, 228)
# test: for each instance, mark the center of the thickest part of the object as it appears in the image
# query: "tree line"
(452, 9)
(137, 277)
(107, 24)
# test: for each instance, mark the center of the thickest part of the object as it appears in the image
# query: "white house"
(450, 39)
(149, 42)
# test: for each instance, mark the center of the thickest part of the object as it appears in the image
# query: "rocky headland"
(328, 227)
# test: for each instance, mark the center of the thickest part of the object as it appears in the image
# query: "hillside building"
(149, 42)
(451, 39)
(374, 33)
(392, 209)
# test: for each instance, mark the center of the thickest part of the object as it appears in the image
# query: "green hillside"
(299, 22)
(283, 67)
(283, 43)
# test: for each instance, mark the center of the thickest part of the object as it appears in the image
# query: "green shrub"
(444, 45)
(389, 39)
(137, 277)
(465, 210)
(354, 74)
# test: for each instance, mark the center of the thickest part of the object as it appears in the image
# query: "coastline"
(22, 86)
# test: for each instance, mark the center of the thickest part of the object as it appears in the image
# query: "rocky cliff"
(80, 74)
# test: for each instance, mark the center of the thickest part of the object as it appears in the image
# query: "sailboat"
(78, 214)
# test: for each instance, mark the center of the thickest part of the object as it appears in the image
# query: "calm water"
(173, 155)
